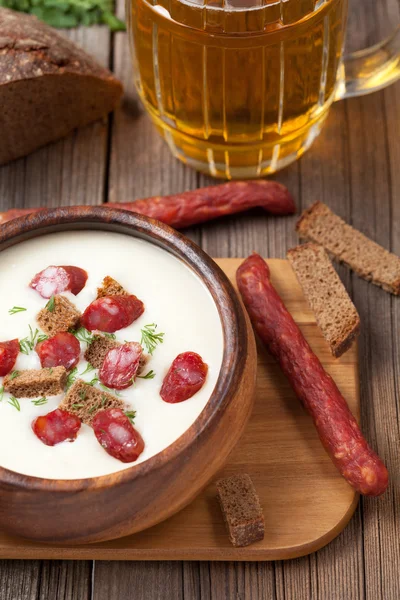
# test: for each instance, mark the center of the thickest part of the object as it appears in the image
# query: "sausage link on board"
(203, 204)
(336, 426)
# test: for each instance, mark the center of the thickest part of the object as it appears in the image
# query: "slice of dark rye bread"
(62, 316)
(351, 247)
(110, 287)
(335, 313)
(98, 348)
(84, 401)
(35, 383)
(241, 509)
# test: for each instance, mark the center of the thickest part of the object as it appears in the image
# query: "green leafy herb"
(15, 403)
(111, 336)
(150, 338)
(88, 369)
(40, 401)
(103, 400)
(71, 377)
(16, 309)
(1, 392)
(69, 13)
(75, 406)
(93, 381)
(82, 334)
(102, 431)
(131, 414)
(51, 305)
(51, 371)
(82, 394)
(26, 345)
(149, 375)
(109, 390)
(13, 375)
(95, 407)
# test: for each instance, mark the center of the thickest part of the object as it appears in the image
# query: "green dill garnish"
(40, 401)
(82, 394)
(95, 407)
(83, 335)
(27, 344)
(88, 369)
(16, 309)
(109, 390)
(1, 392)
(15, 403)
(149, 375)
(111, 336)
(93, 381)
(75, 406)
(131, 414)
(103, 399)
(70, 13)
(51, 305)
(150, 338)
(102, 431)
(51, 371)
(71, 377)
(13, 375)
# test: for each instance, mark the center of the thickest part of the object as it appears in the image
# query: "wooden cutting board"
(306, 502)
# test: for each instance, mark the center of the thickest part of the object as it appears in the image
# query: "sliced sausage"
(61, 350)
(54, 280)
(8, 356)
(111, 313)
(120, 366)
(55, 427)
(116, 434)
(185, 377)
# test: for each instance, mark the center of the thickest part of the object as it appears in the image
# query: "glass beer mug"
(241, 88)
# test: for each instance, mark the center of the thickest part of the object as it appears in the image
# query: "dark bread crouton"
(241, 509)
(84, 401)
(34, 383)
(110, 287)
(351, 247)
(63, 316)
(98, 348)
(335, 313)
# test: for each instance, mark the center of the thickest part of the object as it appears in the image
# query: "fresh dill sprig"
(28, 343)
(71, 377)
(149, 375)
(111, 336)
(131, 414)
(15, 403)
(88, 369)
(109, 390)
(93, 381)
(51, 305)
(83, 335)
(1, 392)
(40, 401)
(77, 405)
(13, 375)
(150, 338)
(82, 395)
(16, 309)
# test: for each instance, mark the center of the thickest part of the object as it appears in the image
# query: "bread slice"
(35, 383)
(98, 348)
(84, 401)
(61, 315)
(241, 509)
(48, 85)
(110, 287)
(335, 313)
(351, 247)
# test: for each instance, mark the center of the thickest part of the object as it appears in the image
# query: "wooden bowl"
(111, 506)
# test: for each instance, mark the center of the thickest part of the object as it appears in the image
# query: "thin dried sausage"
(185, 377)
(111, 313)
(54, 280)
(336, 426)
(116, 434)
(55, 427)
(120, 366)
(61, 350)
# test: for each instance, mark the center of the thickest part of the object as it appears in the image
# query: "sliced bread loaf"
(241, 509)
(348, 245)
(335, 313)
(35, 383)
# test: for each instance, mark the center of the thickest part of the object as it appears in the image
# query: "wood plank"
(72, 170)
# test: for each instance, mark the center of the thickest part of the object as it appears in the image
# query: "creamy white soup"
(175, 299)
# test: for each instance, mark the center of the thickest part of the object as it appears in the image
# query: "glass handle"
(369, 70)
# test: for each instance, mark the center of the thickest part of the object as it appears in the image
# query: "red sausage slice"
(116, 434)
(8, 355)
(54, 280)
(111, 313)
(120, 366)
(185, 377)
(55, 427)
(61, 350)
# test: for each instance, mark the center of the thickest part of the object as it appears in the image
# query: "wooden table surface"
(355, 168)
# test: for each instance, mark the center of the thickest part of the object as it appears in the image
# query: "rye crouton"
(241, 510)
(98, 348)
(34, 383)
(335, 313)
(110, 287)
(59, 315)
(84, 401)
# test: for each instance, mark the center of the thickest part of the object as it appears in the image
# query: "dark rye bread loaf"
(35, 383)
(241, 509)
(84, 401)
(48, 86)
(335, 313)
(351, 247)
(110, 287)
(63, 316)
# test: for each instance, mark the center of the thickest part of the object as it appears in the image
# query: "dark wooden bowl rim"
(230, 310)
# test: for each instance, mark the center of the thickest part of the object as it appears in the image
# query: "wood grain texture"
(305, 500)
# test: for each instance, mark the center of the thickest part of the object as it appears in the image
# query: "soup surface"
(175, 300)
